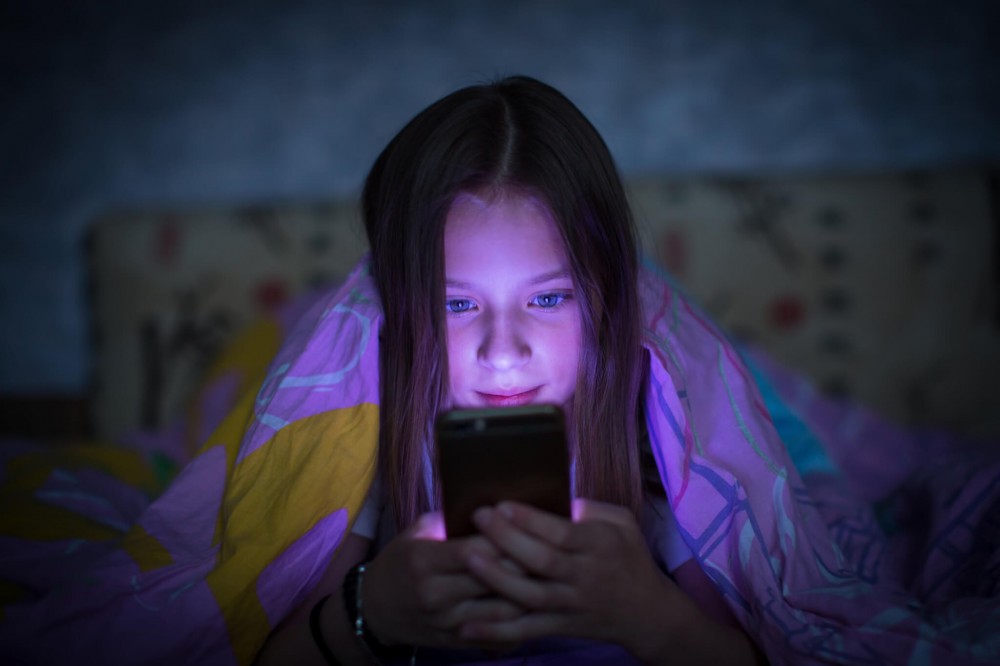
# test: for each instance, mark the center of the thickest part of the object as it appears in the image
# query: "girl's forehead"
(499, 217)
(505, 233)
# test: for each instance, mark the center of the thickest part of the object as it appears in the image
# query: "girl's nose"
(505, 345)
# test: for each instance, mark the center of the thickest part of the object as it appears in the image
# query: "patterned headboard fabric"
(879, 286)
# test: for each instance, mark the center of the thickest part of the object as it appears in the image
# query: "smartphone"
(485, 456)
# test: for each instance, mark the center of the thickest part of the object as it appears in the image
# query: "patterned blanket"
(834, 536)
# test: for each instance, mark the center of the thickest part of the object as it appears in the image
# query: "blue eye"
(459, 305)
(549, 301)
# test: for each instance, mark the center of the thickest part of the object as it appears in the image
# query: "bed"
(866, 305)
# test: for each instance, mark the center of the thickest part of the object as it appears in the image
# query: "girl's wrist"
(355, 595)
(659, 622)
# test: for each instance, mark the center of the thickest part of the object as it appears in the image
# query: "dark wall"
(113, 104)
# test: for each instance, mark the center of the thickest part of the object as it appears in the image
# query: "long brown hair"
(514, 134)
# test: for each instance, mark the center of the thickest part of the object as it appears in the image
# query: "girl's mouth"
(509, 400)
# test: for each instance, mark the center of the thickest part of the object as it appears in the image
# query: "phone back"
(486, 456)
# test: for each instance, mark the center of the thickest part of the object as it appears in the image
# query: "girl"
(504, 272)
(505, 258)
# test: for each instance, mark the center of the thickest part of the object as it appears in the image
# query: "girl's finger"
(429, 526)
(526, 591)
(428, 558)
(575, 536)
(586, 510)
(445, 628)
(524, 628)
(485, 609)
(512, 567)
(543, 525)
(525, 546)
(447, 591)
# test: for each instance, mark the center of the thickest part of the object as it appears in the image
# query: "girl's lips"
(514, 400)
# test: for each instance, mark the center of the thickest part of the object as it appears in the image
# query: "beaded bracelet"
(353, 582)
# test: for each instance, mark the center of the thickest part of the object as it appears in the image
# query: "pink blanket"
(836, 544)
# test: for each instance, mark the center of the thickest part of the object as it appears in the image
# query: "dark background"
(108, 105)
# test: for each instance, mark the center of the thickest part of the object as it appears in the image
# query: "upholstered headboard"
(879, 286)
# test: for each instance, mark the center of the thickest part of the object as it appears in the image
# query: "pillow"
(879, 286)
(170, 288)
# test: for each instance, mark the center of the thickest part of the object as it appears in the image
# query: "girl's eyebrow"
(558, 274)
(455, 284)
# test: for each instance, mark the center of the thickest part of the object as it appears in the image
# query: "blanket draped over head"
(842, 539)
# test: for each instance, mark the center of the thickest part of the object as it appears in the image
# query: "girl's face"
(511, 310)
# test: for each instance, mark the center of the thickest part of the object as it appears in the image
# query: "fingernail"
(482, 517)
(506, 510)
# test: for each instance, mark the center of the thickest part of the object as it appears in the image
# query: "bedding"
(834, 536)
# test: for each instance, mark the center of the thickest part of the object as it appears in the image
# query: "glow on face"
(513, 319)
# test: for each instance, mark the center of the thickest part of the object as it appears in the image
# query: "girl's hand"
(419, 591)
(592, 579)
